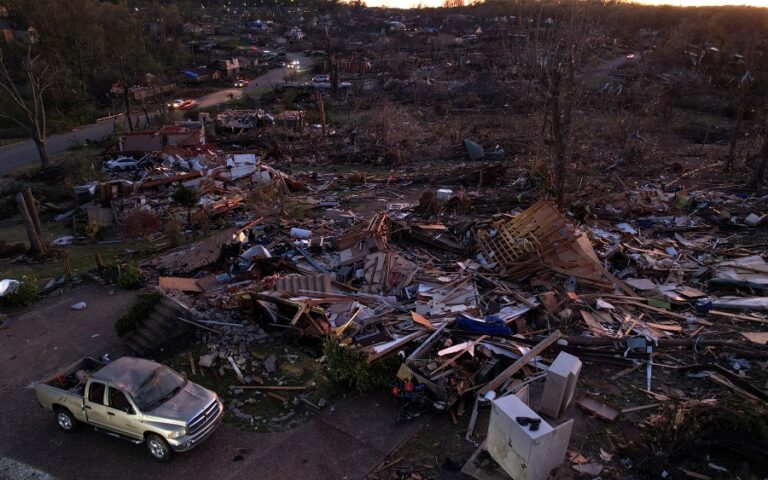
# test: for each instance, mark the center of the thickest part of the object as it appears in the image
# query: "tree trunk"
(744, 97)
(762, 163)
(35, 244)
(42, 151)
(557, 137)
(127, 101)
(32, 209)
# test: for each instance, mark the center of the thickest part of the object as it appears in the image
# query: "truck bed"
(73, 377)
(66, 387)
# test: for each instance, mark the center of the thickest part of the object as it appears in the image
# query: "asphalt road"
(271, 78)
(344, 443)
(23, 153)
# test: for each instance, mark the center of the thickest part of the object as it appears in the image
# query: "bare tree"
(758, 175)
(22, 101)
(744, 87)
(551, 60)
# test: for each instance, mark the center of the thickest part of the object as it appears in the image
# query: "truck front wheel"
(158, 448)
(65, 420)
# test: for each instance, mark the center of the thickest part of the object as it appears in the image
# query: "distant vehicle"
(630, 56)
(121, 163)
(295, 64)
(134, 399)
(241, 83)
(281, 64)
(174, 104)
(181, 104)
(321, 79)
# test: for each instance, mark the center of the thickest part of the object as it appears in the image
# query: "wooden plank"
(515, 367)
(191, 362)
(599, 408)
(374, 355)
(277, 396)
(421, 320)
(737, 317)
(640, 408)
(593, 324)
(661, 326)
(179, 283)
(757, 337)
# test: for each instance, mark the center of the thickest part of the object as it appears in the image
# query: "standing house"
(203, 74)
(231, 68)
(295, 33)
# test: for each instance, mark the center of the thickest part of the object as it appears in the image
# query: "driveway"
(345, 443)
(23, 153)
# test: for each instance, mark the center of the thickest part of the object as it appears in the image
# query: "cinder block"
(560, 384)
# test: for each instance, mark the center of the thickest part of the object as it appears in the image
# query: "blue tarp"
(490, 326)
(190, 73)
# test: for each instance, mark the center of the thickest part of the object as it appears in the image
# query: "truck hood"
(185, 405)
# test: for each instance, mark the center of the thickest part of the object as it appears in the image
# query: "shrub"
(92, 230)
(140, 223)
(125, 276)
(136, 315)
(25, 293)
(349, 366)
(173, 232)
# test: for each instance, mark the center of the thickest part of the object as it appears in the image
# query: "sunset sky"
(437, 3)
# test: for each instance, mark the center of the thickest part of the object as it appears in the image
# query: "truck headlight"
(177, 433)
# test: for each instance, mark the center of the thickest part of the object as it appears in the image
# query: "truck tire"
(65, 420)
(158, 447)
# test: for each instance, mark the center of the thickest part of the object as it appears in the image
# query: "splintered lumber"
(277, 396)
(640, 408)
(417, 318)
(191, 362)
(520, 363)
(738, 317)
(374, 354)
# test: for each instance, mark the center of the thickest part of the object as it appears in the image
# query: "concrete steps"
(160, 329)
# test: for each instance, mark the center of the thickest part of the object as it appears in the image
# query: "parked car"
(134, 399)
(122, 163)
(321, 78)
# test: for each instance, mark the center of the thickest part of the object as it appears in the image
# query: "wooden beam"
(522, 361)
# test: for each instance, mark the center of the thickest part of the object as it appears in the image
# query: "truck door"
(123, 417)
(94, 404)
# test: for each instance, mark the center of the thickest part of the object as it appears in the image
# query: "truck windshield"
(160, 385)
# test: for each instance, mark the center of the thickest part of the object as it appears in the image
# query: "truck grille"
(205, 418)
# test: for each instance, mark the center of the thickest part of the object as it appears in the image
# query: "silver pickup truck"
(134, 399)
